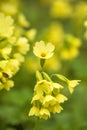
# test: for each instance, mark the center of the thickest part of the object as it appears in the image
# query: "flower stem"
(37, 124)
(42, 62)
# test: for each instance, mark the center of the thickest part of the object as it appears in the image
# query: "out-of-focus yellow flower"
(31, 34)
(7, 85)
(79, 16)
(85, 23)
(19, 57)
(54, 33)
(69, 54)
(10, 67)
(12, 40)
(42, 50)
(73, 41)
(69, 48)
(9, 8)
(72, 84)
(60, 9)
(6, 25)
(22, 21)
(5, 52)
(22, 44)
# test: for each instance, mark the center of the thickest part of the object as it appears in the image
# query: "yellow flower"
(19, 57)
(9, 8)
(43, 86)
(60, 9)
(56, 108)
(72, 84)
(68, 54)
(31, 34)
(9, 66)
(22, 44)
(22, 21)
(49, 101)
(61, 98)
(34, 111)
(56, 88)
(54, 33)
(43, 51)
(37, 98)
(7, 85)
(6, 25)
(44, 113)
(6, 51)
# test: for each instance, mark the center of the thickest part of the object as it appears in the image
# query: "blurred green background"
(15, 104)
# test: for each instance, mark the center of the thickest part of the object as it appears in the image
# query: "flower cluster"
(69, 49)
(15, 34)
(47, 97)
(12, 51)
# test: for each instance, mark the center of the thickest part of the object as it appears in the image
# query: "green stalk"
(37, 124)
(42, 62)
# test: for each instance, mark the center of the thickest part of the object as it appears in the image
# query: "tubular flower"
(43, 86)
(34, 111)
(47, 98)
(42, 50)
(6, 23)
(72, 84)
(49, 101)
(44, 113)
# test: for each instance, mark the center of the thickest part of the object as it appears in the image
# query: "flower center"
(43, 54)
